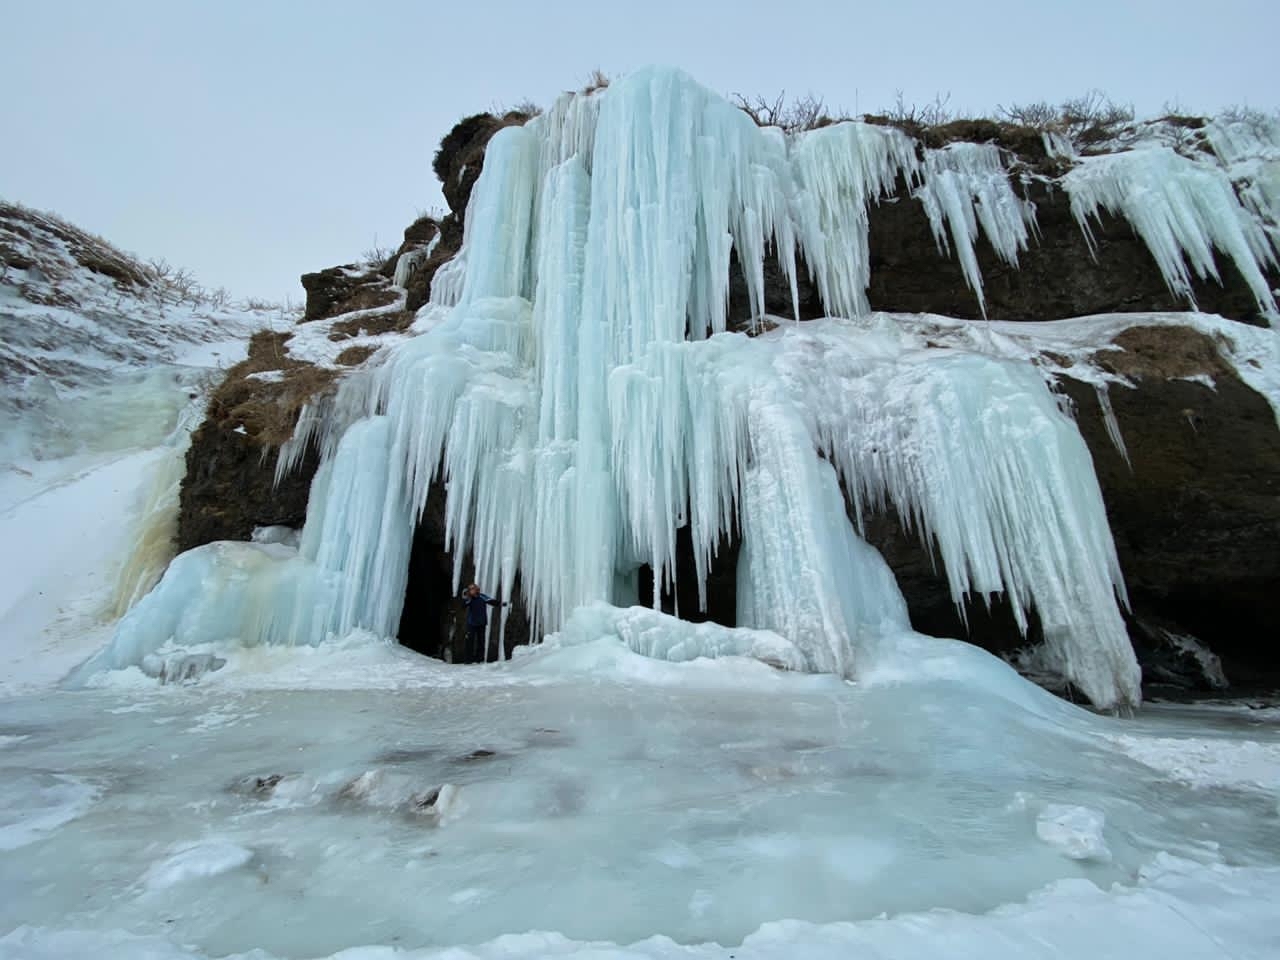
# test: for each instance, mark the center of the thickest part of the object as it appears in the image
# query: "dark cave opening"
(722, 584)
(430, 610)
(432, 621)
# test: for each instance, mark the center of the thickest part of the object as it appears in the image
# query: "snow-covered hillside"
(104, 366)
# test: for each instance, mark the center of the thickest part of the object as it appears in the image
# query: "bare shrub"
(933, 114)
(1041, 115)
(376, 256)
(1089, 118)
(596, 80)
(805, 113)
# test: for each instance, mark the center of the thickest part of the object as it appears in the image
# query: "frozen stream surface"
(586, 801)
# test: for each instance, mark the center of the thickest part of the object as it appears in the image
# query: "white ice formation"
(966, 186)
(579, 395)
(1183, 209)
(1249, 149)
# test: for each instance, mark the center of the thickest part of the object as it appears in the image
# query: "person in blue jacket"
(477, 619)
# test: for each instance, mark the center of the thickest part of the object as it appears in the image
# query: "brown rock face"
(1196, 511)
(343, 289)
(229, 489)
(460, 158)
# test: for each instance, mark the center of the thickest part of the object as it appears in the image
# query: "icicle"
(1058, 145)
(1109, 421)
(976, 456)
(965, 185)
(1182, 209)
(841, 169)
(447, 284)
(410, 260)
(1249, 149)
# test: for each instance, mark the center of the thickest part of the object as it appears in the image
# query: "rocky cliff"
(1190, 484)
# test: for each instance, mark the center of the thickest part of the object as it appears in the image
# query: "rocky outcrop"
(1195, 511)
(344, 289)
(460, 158)
(230, 487)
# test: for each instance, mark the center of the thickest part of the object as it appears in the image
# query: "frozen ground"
(584, 796)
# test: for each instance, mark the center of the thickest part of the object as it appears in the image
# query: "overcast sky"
(255, 141)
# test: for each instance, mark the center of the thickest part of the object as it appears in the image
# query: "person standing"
(477, 619)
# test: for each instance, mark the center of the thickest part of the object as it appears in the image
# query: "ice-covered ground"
(88, 488)
(584, 800)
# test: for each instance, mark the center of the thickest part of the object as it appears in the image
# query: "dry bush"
(1088, 118)
(806, 113)
(932, 114)
(354, 356)
(376, 256)
(396, 321)
(596, 80)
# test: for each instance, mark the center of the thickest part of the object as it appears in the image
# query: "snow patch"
(206, 858)
(1075, 831)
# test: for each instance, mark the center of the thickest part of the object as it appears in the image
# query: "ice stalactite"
(582, 402)
(966, 186)
(410, 260)
(1249, 149)
(1182, 209)
(840, 170)
(976, 456)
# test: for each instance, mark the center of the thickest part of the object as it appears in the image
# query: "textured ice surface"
(615, 798)
(36, 803)
(192, 861)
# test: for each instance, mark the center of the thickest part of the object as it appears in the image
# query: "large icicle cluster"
(966, 185)
(582, 402)
(1249, 149)
(1182, 209)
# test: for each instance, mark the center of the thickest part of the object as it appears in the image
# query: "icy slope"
(102, 376)
(74, 310)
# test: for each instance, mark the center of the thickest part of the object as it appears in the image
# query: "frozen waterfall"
(583, 401)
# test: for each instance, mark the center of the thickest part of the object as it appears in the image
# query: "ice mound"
(206, 858)
(651, 633)
(1076, 831)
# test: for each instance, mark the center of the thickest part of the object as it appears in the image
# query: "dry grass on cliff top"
(263, 394)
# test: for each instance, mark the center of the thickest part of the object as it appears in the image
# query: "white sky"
(255, 141)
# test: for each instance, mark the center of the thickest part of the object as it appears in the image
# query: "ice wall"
(582, 402)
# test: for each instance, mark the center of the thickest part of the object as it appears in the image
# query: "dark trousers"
(474, 649)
